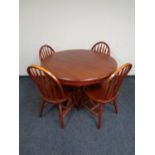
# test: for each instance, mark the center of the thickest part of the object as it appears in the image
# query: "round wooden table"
(79, 67)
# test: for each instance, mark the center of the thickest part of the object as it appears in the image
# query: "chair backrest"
(101, 47)
(49, 86)
(114, 82)
(45, 51)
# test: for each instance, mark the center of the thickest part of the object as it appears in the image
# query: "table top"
(79, 67)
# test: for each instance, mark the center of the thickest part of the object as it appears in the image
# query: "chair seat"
(97, 93)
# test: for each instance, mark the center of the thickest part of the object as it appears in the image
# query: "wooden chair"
(45, 51)
(101, 47)
(107, 92)
(51, 91)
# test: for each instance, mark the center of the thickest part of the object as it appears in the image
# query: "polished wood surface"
(51, 91)
(106, 92)
(79, 67)
(45, 51)
(101, 47)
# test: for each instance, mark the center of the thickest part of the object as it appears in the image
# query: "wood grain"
(79, 67)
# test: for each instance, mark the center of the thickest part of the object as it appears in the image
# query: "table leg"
(79, 97)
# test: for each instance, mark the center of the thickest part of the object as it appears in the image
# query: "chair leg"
(100, 111)
(41, 108)
(115, 106)
(61, 116)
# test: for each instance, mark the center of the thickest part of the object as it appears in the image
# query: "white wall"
(67, 24)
